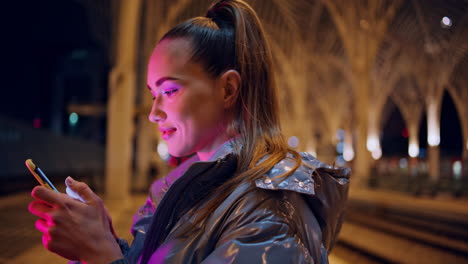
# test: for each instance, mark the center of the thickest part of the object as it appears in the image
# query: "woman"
(245, 197)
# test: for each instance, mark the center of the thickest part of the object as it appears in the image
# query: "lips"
(166, 132)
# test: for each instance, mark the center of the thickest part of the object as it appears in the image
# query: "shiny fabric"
(194, 188)
(274, 220)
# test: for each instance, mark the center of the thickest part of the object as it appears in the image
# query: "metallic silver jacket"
(291, 220)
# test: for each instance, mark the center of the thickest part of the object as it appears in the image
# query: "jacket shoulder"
(301, 180)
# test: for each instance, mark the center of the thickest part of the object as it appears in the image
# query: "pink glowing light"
(37, 122)
(405, 133)
(46, 240)
(161, 253)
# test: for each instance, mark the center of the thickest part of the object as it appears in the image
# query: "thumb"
(81, 188)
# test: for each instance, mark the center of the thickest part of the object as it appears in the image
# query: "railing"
(413, 177)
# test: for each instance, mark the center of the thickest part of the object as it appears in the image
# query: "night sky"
(40, 34)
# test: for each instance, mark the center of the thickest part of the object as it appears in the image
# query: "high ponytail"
(257, 107)
(231, 36)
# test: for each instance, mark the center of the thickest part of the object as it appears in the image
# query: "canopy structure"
(338, 65)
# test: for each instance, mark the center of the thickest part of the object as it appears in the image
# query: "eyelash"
(170, 92)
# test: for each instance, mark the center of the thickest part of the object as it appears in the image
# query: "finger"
(40, 209)
(112, 228)
(82, 189)
(42, 225)
(46, 240)
(47, 195)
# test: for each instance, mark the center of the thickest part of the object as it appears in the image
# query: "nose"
(156, 115)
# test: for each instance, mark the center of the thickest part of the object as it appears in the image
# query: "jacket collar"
(226, 148)
(300, 180)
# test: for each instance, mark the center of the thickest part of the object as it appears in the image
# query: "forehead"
(169, 57)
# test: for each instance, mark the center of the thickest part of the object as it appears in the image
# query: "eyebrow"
(163, 79)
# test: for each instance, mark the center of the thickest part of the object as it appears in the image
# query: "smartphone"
(39, 175)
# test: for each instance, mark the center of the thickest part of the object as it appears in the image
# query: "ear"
(231, 82)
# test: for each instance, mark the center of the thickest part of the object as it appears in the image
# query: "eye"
(170, 91)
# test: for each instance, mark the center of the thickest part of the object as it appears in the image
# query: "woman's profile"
(245, 196)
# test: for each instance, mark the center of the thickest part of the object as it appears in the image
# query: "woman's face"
(188, 104)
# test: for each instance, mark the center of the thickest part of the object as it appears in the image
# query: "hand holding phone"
(75, 230)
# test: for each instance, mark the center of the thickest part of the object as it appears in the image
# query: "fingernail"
(69, 181)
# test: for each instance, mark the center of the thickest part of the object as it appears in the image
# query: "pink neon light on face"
(188, 104)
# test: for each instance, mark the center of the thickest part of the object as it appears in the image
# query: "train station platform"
(393, 227)
(21, 242)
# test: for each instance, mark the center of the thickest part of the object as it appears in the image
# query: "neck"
(208, 152)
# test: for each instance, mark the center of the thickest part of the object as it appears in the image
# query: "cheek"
(196, 113)
(180, 114)
(204, 114)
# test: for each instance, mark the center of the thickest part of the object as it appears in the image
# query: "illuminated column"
(433, 137)
(373, 140)
(348, 150)
(413, 146)
(362, 160)
(145, 152)
(312, 146)
(120, 105)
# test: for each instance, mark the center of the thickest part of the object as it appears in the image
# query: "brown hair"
(232, 37)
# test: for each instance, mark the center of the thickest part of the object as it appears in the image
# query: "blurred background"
(380, 86)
